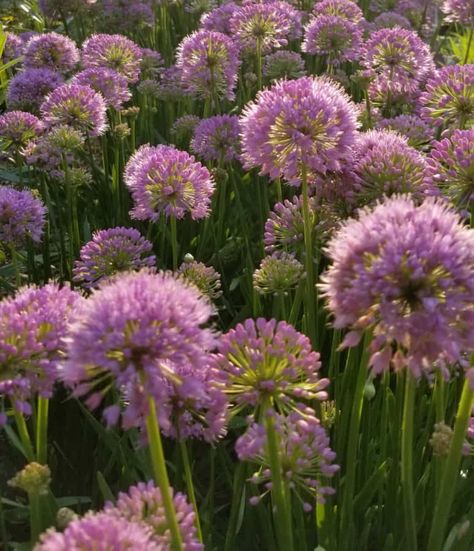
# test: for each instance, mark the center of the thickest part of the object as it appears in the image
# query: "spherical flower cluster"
(183, 128)
(217, 138)
(415, 129)
(112, 85)
(142, 504)
(128, 16)
(205, 278)
(448, 99)
(451, 167)
(77, 106)
(18, 127)
(334, 37)
(110, 252)
(33, 325)
(269, 361)
(390, 19)
(163, 179)
(208, 62)
(218, 19)
(22, 216)
(99, 531)
(51, 51)
(283, 64)
(308, 124)
(151, 64)
(340, 8)
(304, 450)
(278, 274)
(114, 51)
(459, 11)
(13, 48)
(26, 90)
(406, 273)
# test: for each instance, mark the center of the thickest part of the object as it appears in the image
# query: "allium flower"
(340, 8)
(170, 87)
(269, 360)
(217, 138)
(449, 97)
(76, 106)
(309, 121)
(151, 64)
(21, 216)
(112, 251)
(334, 37)
(138, 333)
(128, 16)
(278, 274)
(390, 19)
(218, 19)
(163, 179)
(183, 128)
(33, 324)
(208, 63)
(283, 64)
(416, 130)
(388, 165)
(13, 48)
(142, 504)
(34, 479)
(99, 531)
(406, 272)
(112, 85)
(51, 51)
(114, 51)
(451, 167)
(304, 451)
(205, 278)
(459, 11)
(26, 90)
(18, 127)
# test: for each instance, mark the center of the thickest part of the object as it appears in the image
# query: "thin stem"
(468, 49)
(16, 266)
(174, 242)
(259, 63)
(407, 462)
(24, 435)
(42, 431)
(451, 471)
(35, 517)
(190, 486)
(161, 475)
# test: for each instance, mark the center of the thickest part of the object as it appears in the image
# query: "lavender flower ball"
(111, 85)
(265, 360)
(278, 274)
(26, 90)
(99, 531)
(184, 127)
(283, 64)
(336, 38)
(77, 106)
(417, 131)
(19, 127)
(110, 252)
(205, 278)
(114, 51)
(448, 99)
(340, 8)
(208, 62)
(217, 138)
(13, 48)
(389, 20)
(459, 11)
(22, 217)
(406, 272)
(142, 504)
(164, 180)
(218, 19)
(51, 51)
(451, 167)
(309, 121)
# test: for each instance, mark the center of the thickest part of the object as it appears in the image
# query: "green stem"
(24, 435)
(174, 242)
(42, 431)
(190, 486)
(468, 49)
(161, 475)
(451, 471)
(407, 462)
(35, 517)
(16, 266)
(259, 63)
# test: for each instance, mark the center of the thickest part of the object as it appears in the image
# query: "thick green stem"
(35, 517)
(407, 462)
(174, 242)
(259, 63)
(16, 266)
(451, 471)
(42, 431)
(190, 486)
(161, 475)
(24, 435)
(468, 49)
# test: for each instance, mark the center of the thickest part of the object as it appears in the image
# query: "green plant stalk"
(174, 241)
(190, 486)
(24, 435)
(16, 266)
(468, 48)
(42, 431)
(407, 462)
(161, 475)
(451, 471)
(35, 517)
(259, 63)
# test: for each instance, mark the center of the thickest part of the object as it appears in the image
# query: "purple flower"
(304, 450)
(283, 64)
(459, 11)
(334, 37)
(278, 274)
(218, 19)
(269, 361)
(18, 127)
(21, 216)
(307, 122)
(142, 504)
(51, 51)
(114, 51)
(33, 325)
(217, 138)
(208, 62)
(388, 20)
(164, 180)
(26, 90)
(451, 167)
(340, 8)
(151, 65)
(138, 333)
(448, 99)
(205, 278)
(112, 251)
(77, 106)
(112, 85)
(99, 531)
(183, 128)
(128, 16)
(13, 48)
(406, 272)
(416, 130)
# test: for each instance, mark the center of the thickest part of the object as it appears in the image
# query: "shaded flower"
(51, 51)
(459, 11)
(34, 479)
(218, 19)
(217, 138)
(183, 128)
(205, 278)
(390, 19)
(415, 129)
(278, 274)
(405, 272)
(13, 48)
(112, 85)
(151, 64)
(17, 128)
(283, 64)
(26, 90)
(340, 8)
